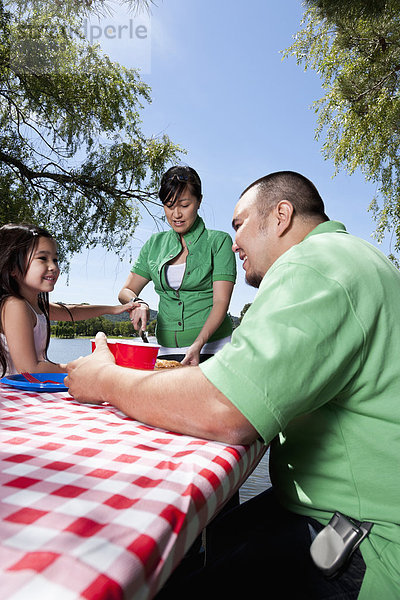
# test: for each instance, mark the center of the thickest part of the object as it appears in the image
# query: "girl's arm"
(222, 292)
(80, 312)
(18, 322)
(132, 288)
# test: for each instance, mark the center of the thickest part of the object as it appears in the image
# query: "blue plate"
(19, 382)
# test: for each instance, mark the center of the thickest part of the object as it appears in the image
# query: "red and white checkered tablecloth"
(98, 506)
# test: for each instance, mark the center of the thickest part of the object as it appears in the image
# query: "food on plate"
(162, 363)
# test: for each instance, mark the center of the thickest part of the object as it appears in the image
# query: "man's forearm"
(181, 400)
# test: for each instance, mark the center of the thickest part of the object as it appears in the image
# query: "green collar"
(327, 227)
(194, 232)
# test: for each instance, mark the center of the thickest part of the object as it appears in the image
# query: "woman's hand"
(140, 312)
(139, 315)
(192, 357)
(222, 291)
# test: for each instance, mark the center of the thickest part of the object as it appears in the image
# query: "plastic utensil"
(33, 379)
(144, 337)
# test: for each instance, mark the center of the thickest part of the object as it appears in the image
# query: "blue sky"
(221, 91)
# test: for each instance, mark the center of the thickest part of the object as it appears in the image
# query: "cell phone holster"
(334, 544)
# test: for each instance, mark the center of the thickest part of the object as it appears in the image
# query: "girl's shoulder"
(15, 307)
(13, 301)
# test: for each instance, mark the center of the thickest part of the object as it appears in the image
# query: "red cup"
(112, 346)
(136, 355)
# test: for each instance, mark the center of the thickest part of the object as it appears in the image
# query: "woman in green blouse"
(193, 270)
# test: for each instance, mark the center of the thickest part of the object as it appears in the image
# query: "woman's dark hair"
(175, 181)
(18, 243)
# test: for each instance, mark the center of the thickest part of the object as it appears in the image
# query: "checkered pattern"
(97, 506)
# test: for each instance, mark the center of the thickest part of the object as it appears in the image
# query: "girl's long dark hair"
(18, 243)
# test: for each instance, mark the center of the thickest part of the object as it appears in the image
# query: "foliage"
(151, 327)
(244, 311)
(354, 45)
(73, 157)
(112, 327)
(89, 327)
(334, 9)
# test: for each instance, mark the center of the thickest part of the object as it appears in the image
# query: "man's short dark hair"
(290, 186)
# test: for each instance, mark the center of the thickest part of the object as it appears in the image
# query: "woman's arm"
(222, 292)
(18, 322)
(132, 288)
(80, 312)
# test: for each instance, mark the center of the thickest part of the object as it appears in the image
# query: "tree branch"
(67, 179)
(377, 85)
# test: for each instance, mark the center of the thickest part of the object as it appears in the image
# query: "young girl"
(28, 272)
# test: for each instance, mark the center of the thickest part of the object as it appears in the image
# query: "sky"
(222, 91)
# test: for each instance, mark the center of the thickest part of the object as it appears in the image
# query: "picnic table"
(96, 505)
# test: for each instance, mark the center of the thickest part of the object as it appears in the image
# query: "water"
(64, 350)
(258, 481)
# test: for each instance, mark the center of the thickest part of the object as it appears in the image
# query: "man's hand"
(85, 374)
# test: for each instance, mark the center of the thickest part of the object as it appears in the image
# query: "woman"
(193, 270)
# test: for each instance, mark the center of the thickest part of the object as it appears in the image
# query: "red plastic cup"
(136, 355)
(112, 346)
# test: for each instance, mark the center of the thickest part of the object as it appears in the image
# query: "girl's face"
(43, 270)
(183, 213)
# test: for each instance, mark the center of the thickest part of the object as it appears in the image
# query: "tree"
(151, 327)
(244, 311)
(126, 329)
(335, 9)
(72, 155)
(354, 45)
(64, 329)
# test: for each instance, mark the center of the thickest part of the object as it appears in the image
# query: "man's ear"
(284, 214)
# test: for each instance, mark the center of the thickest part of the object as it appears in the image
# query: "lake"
(62, 351)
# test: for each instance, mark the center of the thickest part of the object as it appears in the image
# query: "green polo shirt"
(315, 367)
(182, 313)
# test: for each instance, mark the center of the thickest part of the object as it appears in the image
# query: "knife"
(143, 335)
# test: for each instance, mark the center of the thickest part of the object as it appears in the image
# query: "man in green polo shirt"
(313, 369)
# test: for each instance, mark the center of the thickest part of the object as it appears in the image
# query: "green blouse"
(183, 312)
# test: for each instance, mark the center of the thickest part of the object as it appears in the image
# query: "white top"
(174, 275)
(39, 336)
(208, 348)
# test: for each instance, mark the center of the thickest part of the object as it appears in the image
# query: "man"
(313, 369)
